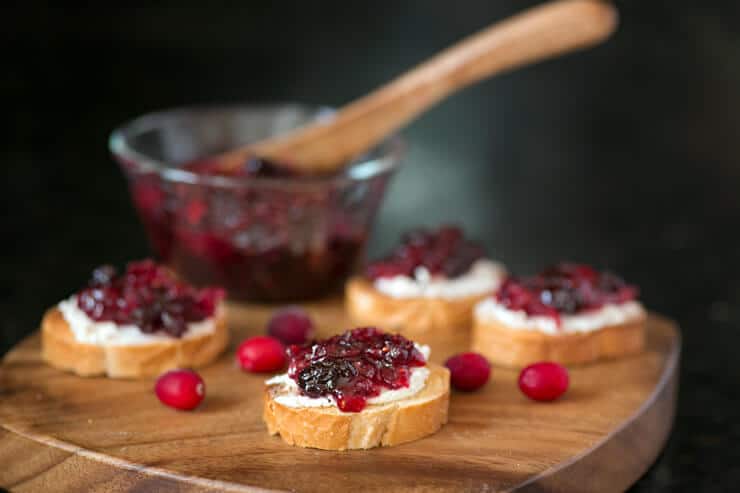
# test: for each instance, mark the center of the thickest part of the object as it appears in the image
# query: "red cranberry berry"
(545, 381)
(261, 354)
(468, 371)
(291, 325)
(181, 389)
(444, 251)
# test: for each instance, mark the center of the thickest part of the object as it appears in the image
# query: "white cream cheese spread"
(89, 331)
(484, 276)
(587, 321)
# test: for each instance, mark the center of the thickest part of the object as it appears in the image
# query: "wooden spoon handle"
(536, 34)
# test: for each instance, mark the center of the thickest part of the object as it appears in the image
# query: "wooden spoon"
(536, 34)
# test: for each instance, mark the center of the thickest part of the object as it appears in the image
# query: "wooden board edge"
(33, 463)
(618, 460)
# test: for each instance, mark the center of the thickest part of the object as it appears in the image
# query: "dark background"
(626, 156)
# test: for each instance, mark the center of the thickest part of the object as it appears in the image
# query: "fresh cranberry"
(544, 381)
(353, 366)
(564, 289)
(468, 371)
(261, 354)
(444, 251)
(291, 325)
(148, 296)
(181, 389)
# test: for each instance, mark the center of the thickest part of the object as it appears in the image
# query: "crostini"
(358, 390)
(137, 324)
(569, 313)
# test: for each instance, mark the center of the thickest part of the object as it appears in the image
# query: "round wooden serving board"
(60, 432)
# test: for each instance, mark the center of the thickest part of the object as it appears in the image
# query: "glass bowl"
(263, 239)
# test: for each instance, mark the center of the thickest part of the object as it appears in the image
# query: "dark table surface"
(626, 156)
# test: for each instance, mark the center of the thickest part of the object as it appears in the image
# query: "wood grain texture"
(60, 432)
(542, 32)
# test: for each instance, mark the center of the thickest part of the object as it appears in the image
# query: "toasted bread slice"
(514, 347)
(442, 323)
(61, 349)
(388, 424)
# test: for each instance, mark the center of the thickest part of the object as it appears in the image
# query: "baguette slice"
(61, 349)
(513, 347)
(441, 323)
(389, 424)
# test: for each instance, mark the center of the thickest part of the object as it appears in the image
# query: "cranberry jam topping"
(564, 289)
(444, 251)
(148, 296)
(354, 366)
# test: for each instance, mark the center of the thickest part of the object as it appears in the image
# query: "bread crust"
(513, 347)
(386, 425)
(61, 349)
(442, 323)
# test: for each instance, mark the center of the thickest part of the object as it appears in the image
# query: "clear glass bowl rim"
(386, 156)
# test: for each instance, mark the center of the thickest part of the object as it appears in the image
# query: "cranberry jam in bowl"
(263, 231)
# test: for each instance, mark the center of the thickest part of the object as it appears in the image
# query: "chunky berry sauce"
(146, 295)
(444, 251)
(564, 289)
(354, 366)
(262, 241)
